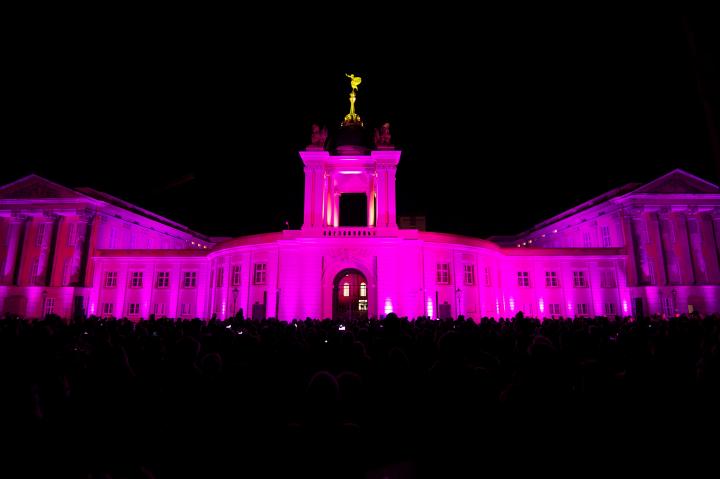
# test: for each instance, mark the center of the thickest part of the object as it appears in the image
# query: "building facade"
(636, 250)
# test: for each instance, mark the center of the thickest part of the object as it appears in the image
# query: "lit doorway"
(350, 295)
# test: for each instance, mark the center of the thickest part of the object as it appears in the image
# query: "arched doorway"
(350, 295)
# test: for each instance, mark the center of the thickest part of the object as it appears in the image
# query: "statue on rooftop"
(382, 137)
(318, 137)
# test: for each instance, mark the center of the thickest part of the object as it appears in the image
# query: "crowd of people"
(370, 398)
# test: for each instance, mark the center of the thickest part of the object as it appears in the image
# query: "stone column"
(307, 217)
(392, 215)
(629, 242)
(707, 243)
(19, 241)
(52, 248)
(371, 200)
(682, 247)
(382, 199)
(89, 234)
(654, 247)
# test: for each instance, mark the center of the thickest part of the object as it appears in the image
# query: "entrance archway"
(350, 295)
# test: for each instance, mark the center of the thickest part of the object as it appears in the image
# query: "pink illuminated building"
(636, 250)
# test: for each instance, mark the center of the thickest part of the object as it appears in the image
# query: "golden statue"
(353, 117)
(354, 81)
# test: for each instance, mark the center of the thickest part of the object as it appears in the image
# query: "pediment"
(36, 187)
(679, 182)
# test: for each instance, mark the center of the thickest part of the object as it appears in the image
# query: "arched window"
(346, 289)
(363, 290)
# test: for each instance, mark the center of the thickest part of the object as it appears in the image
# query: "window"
(346, 290)
(554, 310)
(443, 273)
(159, 309)
(220, 277)
(551, 280)
(49, 306)
(34, 268)
(185, 309)
(136, 279)
(67, 271)
(362, 305)
(260, 270)
(469, 274)
(610, 309)
(587, 241)
(40, 238)
(488, 277)
(107, 309)
(523, 278)
(579, 280)
(236, 276)
(189, 279)
(607, 279)
(582, 309)
(112, 240)
(110, 279)
(605, 234)
(72, 235)
(133, 240)
(163, 279)
(363, 290)
(134, 309)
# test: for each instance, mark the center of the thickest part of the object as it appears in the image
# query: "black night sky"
(504, 120)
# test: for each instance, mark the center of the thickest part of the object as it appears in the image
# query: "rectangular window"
(488, 277)
(72, 235)
(49, 306)
(610, 309)
(605, 233)
(112, 241)
(110, 279)
(34, 268)
(554, 309)
(443, 273)
(107, 310)
(185, 309)
(523, 278)
(469, 274)
(579, 280)
(607, 279)
(582, 309)
(134, 309)
(587, 241)
(136, 279)
(236, 276)
(346, 290)
(362, 305)
(40, 238)
(259, 276)
(363, 290)
(189, 279)
(551, 279)
(163, 279)
(159, 309)
(220, 277)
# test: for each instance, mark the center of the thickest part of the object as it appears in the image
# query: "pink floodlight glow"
(625, 306)
(512, 304)
(569, 306)
(541, 304)
(429, 308)
(497, 307)
(350, 172)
